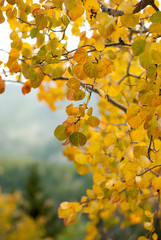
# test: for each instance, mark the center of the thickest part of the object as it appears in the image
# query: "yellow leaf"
(156, 184)
(83, 169)
(130, 20)
(76, 12)
(110, 139)
(114, 90)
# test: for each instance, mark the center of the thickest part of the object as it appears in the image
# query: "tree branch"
(148, 170)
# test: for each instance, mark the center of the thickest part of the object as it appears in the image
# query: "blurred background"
(34, 174)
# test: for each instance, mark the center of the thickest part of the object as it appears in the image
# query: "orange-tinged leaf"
(14, 53)
(79, 71)
(78, 139)
(41, 21)
(75, 94)
(26, 87)
(60, 132)
(80, 56)
(91, 69)
(114, 90)
(2, 85)
(2, 19)
(70, 219)
(93, 121)
(104, 67)
(89, 112)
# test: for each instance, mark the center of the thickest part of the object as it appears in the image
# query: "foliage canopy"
(118, 58)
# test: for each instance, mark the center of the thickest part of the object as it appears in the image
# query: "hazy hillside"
(27, 126)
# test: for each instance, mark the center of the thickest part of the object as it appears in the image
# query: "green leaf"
(138, 47)
(156, 17)
(90, 69)
(60, 132)
(33, 32)
(78, 139)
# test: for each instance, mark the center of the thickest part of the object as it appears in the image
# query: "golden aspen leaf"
(93, 121)
(26, 87)
(80, 158)
(151, 71)
(138, 134)
(73, 83)
(91, 69)
(70, 219)
(26, 50)
(127, 7)
(80, 56)
(41, 21)
(114, 90)
(142, 238)
(89, 112)
(130, 20)
(2, 19)
(79, 71)
(155, 28)
(156, 56)
(15, 67)
(69, 4)
(155, 236)
(111, 54)
(110, 139)
(60, 133)
(138, 46)
(145, 59)
(99, 45)
(135, 121)
(103, 67)
(102, 17)
(76, 12)
(75, 94)
(91, 4)
(159, 70)
(118, 2)
(83, 169)
(2, 85)
(14, 53)
(159, 124)
(77, 139)
(139, 151)
(115, 197)
(65, 20)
